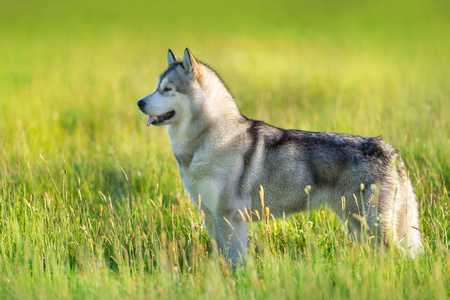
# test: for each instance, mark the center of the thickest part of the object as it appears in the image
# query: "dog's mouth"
(156, 120)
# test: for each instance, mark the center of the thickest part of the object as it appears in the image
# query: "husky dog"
(225, 158)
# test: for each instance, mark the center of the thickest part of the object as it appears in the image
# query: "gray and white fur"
(225, 158)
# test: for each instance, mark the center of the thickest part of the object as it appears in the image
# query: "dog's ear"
(171, 57)
(189, 61)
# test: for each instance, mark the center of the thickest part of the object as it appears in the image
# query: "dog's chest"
(202, 176)
(204, 183)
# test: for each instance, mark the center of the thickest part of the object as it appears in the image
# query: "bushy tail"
(406, 214)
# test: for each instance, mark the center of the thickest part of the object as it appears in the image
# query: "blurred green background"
(72, 71)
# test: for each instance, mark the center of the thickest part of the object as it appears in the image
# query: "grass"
(91, 201)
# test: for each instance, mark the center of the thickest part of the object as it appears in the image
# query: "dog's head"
(175, 93)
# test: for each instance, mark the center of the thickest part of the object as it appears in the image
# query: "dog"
(226, 159)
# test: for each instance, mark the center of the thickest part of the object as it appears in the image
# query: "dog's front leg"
(210, 223)
(229, 232)
(231, 236)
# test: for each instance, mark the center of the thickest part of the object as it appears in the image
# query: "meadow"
(92, 205)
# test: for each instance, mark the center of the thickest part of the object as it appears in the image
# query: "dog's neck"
(216, 123)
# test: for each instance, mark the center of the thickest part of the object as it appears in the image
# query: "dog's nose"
(141, 103)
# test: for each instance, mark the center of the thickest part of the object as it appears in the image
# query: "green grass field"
(91, 201)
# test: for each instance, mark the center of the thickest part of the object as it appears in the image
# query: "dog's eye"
(167, 89)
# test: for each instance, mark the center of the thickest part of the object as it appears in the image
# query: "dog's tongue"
(150, 120)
